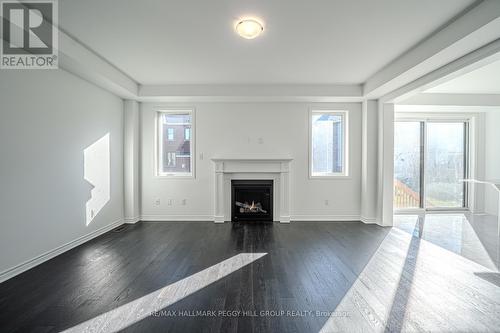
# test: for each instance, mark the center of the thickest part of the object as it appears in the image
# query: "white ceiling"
(484, 80)
(193, 41)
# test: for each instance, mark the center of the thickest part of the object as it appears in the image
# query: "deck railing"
(405, 197)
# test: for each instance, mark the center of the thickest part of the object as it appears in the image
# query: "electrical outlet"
(260, 140)
(184, 202)
(157, 202)
(327, 202)
(201, 156)
(170, 202)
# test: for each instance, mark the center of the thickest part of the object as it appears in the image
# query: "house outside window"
(328, 147)
(175, 143)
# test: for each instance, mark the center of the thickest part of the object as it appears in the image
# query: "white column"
(285, 193)
(219, 193)
(385, 165)
(131, 161)
(498, 214)
(369, 167)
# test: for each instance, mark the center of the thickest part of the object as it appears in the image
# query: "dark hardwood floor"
(298, 277)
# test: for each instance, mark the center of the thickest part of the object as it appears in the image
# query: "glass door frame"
(424, 120)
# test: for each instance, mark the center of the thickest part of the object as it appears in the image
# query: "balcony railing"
(405, 197)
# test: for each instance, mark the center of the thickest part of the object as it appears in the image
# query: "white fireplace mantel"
(251, 167)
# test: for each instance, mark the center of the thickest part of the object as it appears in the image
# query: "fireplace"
(251, 200)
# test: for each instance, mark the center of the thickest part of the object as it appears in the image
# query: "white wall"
(47, 119)
(492, 159)
(235, 129)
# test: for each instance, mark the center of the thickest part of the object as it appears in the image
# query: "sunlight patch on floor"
(471, 236)
(142, 308)
(361, 303)
(408, 279)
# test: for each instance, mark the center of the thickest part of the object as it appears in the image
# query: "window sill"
(332, 177)
(174, 176)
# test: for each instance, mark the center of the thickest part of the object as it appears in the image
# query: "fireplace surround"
(275, 168)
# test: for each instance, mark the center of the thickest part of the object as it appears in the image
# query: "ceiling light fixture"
(249, 28)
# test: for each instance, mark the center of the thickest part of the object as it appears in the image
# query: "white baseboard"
(174, 218)
(326, 218)
(219, 219)
(285, 219)
(369, 220)
(132, 220)
(211, 218)
(18, 269)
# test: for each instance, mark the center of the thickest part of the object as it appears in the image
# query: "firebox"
(251, 200)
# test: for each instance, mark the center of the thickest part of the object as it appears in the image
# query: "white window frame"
(159, 144)
(344, 174)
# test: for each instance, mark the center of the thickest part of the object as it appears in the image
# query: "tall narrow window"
(328, 143)
(175, 152)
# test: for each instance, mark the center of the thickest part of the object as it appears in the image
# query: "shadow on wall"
(97, 172)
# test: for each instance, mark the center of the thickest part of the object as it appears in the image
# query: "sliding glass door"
(430, 163)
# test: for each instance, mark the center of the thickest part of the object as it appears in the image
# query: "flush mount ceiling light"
(249, 28)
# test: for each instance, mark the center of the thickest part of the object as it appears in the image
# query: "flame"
(252, 207)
